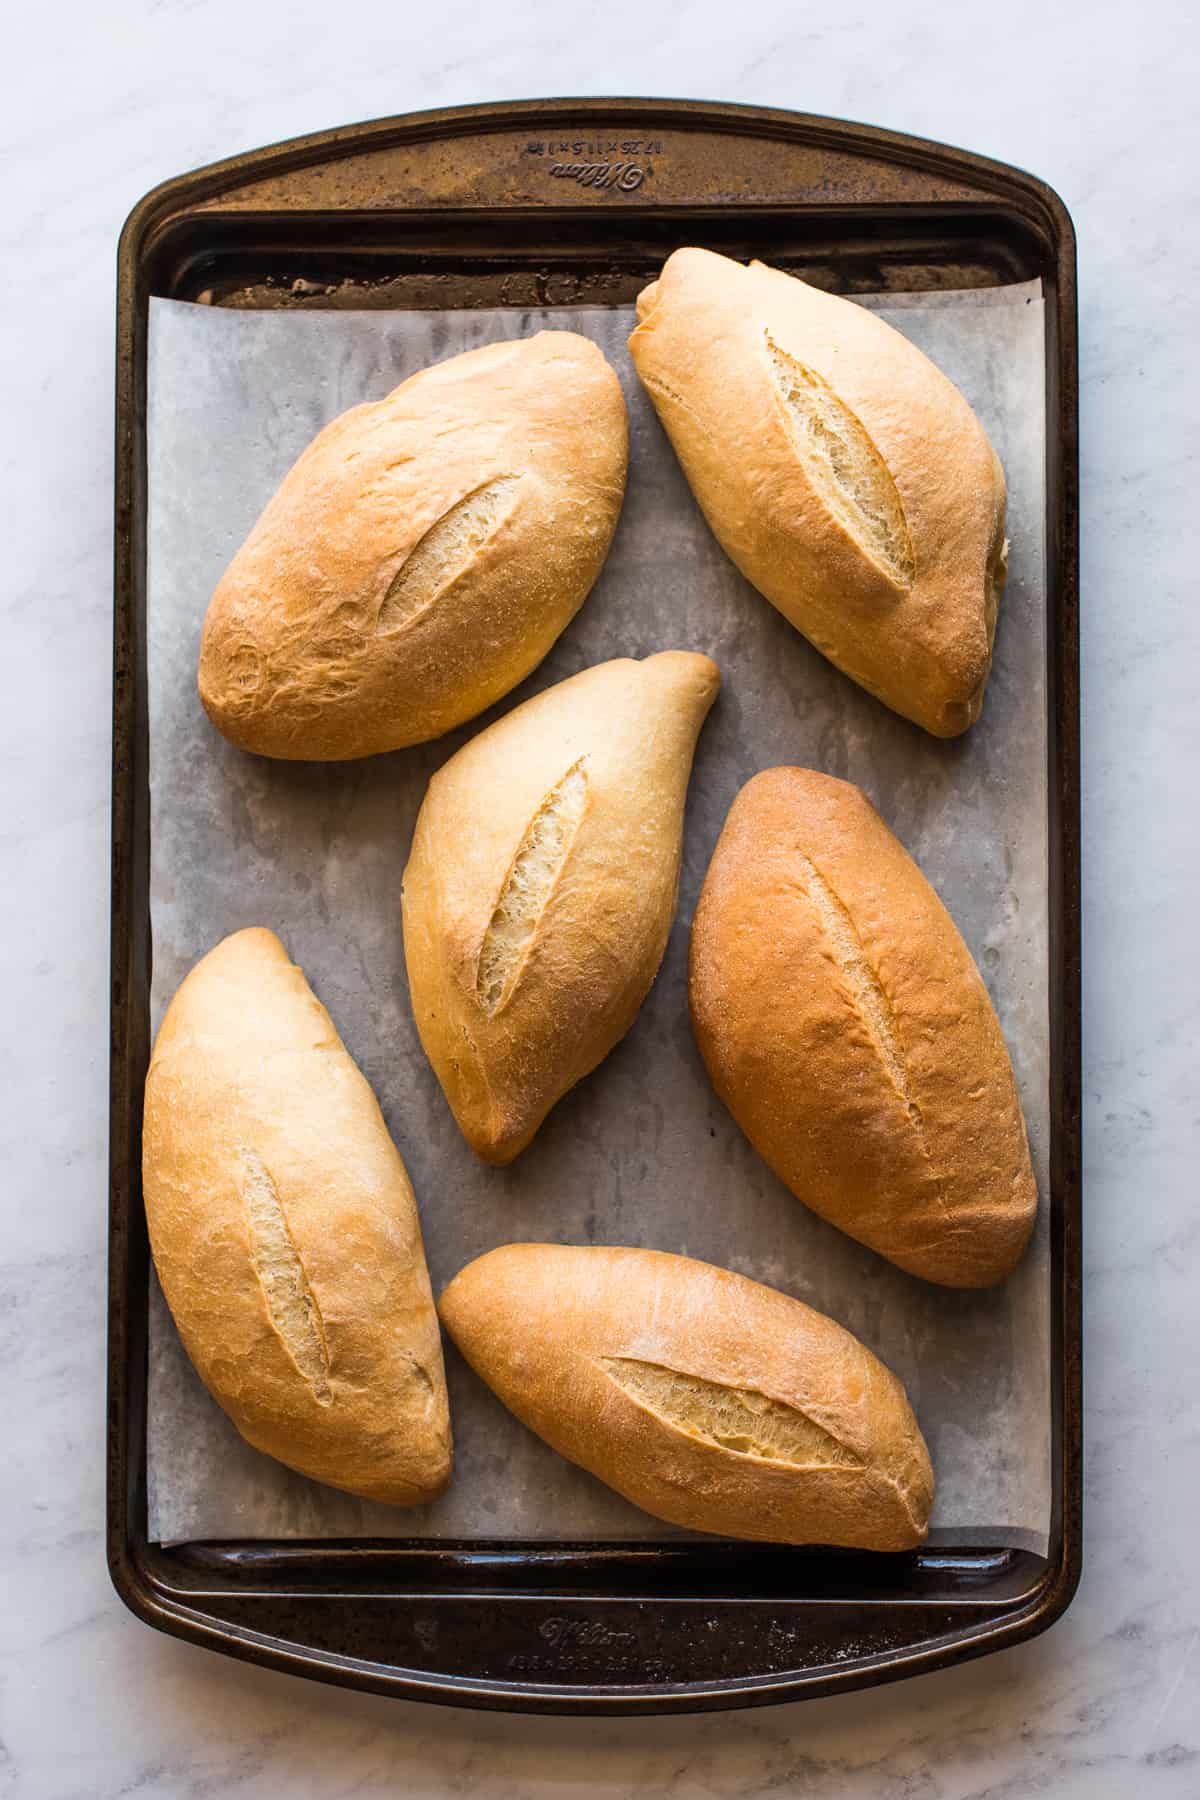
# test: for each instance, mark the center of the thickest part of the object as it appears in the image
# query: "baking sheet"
(641, 1152)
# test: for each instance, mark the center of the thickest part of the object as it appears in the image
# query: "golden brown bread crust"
(285, 1233)
(786, 406)
(324, 640)
(566, 1336)
(541, 886)
(847, 1029)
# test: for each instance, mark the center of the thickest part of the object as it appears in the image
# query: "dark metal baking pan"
(579, 201)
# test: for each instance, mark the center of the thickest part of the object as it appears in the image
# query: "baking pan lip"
(1044, 1608)
(475, 119)
(130, 1559)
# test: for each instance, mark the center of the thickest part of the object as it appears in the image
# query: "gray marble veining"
(100, 103)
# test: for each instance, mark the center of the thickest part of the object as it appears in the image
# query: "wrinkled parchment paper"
(641, 1152)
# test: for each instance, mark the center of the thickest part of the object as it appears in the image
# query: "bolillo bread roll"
(421, 556)
(840, 470)
(285, 1233)
(847, 1029)
(541, 887)
(706, 1399)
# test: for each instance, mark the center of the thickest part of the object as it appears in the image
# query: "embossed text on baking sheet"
(443, 553)
(740, 1419)
(530, 881)
(845, 466)
(291, 1305)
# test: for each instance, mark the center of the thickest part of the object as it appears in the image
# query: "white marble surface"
(100, 103)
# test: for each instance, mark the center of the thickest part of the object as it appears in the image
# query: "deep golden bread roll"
(847, 1029)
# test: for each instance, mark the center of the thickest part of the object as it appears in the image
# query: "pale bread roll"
(706, 1399)
(285, 1233)
(847, 1029)
(541, 887)
(841, 471)
(422, 555)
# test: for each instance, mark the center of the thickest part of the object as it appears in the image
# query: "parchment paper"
(641, 1152)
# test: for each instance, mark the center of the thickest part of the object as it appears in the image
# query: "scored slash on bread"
(855, 482)
(444, 555)
(531, 879)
